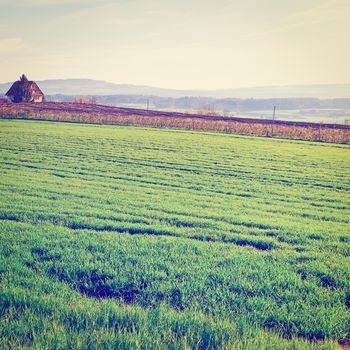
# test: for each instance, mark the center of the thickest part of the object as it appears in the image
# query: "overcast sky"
(201, 44)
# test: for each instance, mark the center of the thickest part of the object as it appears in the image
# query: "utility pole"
(273, 119)
(319, 132)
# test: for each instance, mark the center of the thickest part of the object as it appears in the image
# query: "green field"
(126, 237)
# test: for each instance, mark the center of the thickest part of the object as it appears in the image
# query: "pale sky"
(185, 44)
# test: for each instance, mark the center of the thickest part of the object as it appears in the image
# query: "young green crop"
(143, 238)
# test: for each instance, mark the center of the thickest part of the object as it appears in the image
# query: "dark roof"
(14, 89)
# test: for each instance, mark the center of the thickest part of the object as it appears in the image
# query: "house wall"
(38, 99)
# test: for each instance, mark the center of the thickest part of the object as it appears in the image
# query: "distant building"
(85, 100)
(24, 90)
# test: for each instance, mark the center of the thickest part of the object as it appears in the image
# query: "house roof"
(32, 85)
(37, 91)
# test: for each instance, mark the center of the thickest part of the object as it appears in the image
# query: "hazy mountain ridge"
(99, 87)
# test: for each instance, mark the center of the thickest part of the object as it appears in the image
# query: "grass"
(126, 237)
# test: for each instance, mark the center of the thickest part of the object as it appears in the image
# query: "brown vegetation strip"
(99, 114)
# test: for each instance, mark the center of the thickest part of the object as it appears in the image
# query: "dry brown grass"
(79, 113)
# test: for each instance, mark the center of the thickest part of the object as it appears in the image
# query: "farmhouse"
(24, 90)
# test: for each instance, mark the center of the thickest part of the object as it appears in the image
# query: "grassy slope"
(202, 240)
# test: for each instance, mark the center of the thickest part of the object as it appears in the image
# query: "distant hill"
(99, 87)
